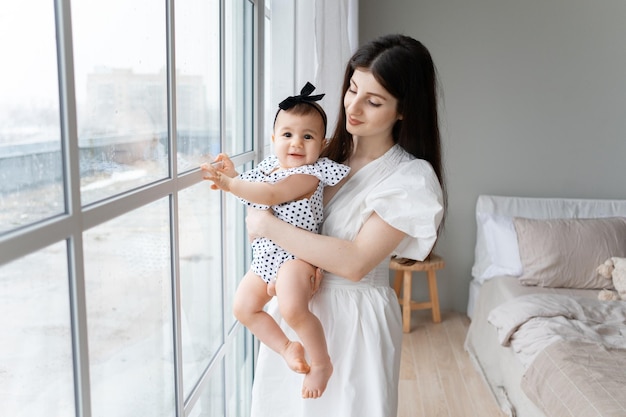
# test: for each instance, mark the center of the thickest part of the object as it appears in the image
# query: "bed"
(543, 342)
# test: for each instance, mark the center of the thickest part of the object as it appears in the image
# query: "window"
(118, 264)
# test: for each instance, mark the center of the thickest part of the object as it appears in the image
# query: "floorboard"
(437, 378)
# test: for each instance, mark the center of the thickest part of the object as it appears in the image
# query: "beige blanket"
(575, 378)
(531, 323)
(574, 351)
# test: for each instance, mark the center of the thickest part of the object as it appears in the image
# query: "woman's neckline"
(337, 188)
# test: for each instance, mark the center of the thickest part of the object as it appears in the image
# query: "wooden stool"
(404, 268)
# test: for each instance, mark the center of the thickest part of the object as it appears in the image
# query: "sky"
(112, 33)
(29, 52)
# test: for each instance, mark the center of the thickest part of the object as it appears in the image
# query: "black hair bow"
(304, 97)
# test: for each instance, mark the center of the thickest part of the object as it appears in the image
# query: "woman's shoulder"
(403, 164)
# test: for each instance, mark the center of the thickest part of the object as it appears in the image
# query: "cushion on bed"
(565, 252)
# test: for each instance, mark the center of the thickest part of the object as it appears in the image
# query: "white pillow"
(502, 248)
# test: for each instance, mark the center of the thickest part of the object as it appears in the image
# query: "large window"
(118, 264)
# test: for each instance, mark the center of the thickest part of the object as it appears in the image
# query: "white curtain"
(312, 41)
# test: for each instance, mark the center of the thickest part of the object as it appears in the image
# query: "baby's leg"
(293, 289)
(250, 298)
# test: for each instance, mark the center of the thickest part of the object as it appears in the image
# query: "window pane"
(238, 76)
(36, 376)
(30, 135)
(129, 314)
(121, 94)
(239, 371)
(201, 279)
(197, 81)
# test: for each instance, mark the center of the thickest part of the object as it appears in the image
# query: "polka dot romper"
(306, 213)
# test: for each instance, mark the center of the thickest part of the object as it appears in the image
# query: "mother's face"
(370, 109)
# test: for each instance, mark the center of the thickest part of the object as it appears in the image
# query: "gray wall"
(534, 103)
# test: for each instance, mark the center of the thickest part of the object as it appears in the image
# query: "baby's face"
(298, 139)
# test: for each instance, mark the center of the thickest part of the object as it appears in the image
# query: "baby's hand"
(219, 171)
(225, 165)
(220, 180)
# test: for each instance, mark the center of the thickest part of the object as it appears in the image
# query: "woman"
(391, 203)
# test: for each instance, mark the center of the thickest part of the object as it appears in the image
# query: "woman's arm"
(349, 259)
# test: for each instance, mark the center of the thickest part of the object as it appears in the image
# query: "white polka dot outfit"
(306, 213)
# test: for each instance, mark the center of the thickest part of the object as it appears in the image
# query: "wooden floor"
(437, 377)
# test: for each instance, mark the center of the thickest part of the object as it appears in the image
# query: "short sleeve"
(327, 171)
(331, 172)
(410, 200)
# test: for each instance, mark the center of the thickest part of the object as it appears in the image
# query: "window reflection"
(197, 81)
(121, 95)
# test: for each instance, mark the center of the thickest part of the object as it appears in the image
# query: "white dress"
(361, 320)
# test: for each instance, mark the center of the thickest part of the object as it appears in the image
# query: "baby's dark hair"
(304, 109)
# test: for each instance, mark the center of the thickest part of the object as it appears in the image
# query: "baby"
(291, 182)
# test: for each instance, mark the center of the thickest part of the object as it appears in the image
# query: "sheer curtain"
(311, 41)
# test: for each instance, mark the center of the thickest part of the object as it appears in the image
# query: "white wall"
(534, 103)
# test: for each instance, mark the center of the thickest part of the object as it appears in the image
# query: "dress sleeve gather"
(410, 200)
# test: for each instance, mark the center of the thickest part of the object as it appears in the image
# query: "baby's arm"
(292, 188)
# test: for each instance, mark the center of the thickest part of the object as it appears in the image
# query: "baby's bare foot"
(317, 378)
(294, 356)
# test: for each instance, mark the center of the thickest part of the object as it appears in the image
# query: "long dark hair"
(404, 67)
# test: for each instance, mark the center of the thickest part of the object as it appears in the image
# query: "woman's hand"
(257, 221)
